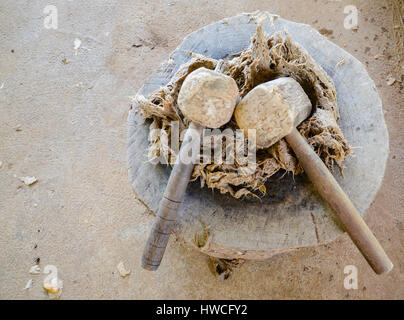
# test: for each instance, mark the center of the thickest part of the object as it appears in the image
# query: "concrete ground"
(63, 120)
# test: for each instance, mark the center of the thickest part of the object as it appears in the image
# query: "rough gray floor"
(65, 124)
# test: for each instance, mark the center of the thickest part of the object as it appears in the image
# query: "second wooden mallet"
(208, 99)
(274, 109)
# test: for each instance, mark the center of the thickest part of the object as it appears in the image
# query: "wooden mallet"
(274, 109)
(208, 99)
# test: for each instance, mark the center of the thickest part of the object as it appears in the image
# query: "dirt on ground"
(64, 99)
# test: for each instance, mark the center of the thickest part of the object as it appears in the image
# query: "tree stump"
(292, 214)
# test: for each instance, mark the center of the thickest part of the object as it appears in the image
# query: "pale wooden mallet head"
(208, 97)
(273, 109)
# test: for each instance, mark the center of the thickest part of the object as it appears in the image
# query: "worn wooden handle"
(330, 190)
(172, 199)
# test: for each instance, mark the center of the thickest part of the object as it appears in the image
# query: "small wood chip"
(77, 44)
(35, 270)
(122, 270)
(341, 62)
(28, 180)
(28, 285)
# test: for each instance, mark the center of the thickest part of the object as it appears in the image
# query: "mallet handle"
(330, 190)
(172, 199)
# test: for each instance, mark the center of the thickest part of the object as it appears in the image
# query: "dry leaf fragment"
(122, 270)
(326, 32)
(202, 239)
(53, 287)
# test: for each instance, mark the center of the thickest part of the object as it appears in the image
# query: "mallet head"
(273, 109)
(208, 97)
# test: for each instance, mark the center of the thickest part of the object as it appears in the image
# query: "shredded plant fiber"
(266, 58)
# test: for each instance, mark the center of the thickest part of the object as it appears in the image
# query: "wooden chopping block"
(292, 215)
